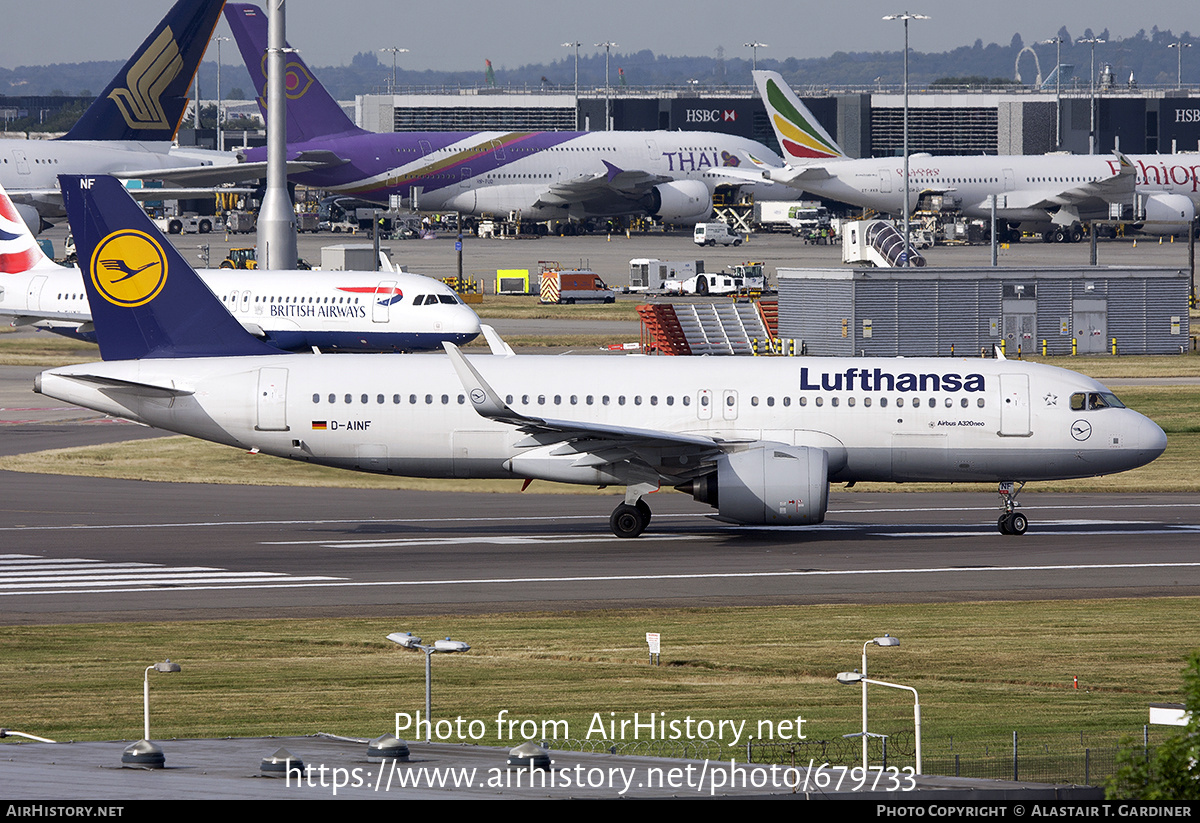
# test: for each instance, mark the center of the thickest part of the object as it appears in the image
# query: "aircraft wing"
(1118, 188)
(215, 175)
(613, 185)
(676, 455)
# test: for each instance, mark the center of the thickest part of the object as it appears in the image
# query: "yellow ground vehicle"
(240, 259)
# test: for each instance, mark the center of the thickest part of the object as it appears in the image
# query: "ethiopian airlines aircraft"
(1048, 194)
(760, 439)
(295, 310)
(669, 175)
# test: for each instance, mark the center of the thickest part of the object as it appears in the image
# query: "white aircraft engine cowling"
(1168, 213)
(31, 217)
(680, 201)
(770, 485)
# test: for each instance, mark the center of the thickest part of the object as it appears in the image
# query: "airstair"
(719, 328)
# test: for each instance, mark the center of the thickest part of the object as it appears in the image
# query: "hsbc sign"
(710, 115)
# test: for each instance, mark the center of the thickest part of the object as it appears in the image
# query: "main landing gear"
(1012, 521)
(633, 516)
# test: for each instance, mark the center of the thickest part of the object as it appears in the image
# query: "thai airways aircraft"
(760, 439)
(1048, 194)
(294, 310)
(543, 175)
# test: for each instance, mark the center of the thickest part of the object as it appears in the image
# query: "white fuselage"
(877, 419)
(29, 169)
(295, 310)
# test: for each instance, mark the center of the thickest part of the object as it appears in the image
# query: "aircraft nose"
(1153, 439)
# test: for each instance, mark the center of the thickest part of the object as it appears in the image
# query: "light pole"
(1092, 92)
(885, 641)
(1057, 41)
(165, 666)
(608, 47)
(220, 134)
(446, 646)
(850, 678)
(906, 16)
(394, 50)
(576, 46)
(754, 54)
(1179, 46)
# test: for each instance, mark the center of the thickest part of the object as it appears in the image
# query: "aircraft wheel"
(643, 507)
(1076, 234)
(627, 521)
(1002, 524)
(1017, 523)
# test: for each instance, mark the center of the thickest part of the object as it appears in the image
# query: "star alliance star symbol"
(1051, 399)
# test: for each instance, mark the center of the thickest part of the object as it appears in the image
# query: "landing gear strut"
(633, 516)
(1012, 521)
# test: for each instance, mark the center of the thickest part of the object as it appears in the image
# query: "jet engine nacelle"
(770, 485)
(1168, 214)
(31, 217)
(680, 201)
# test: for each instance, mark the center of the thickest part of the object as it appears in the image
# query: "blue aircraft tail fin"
(146, 300)
(311, 110)
(147, 98)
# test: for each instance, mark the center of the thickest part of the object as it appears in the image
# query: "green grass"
(1005, 667)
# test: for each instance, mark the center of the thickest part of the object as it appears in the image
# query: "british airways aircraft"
(759, 439)
(543, 175)
(294, 310)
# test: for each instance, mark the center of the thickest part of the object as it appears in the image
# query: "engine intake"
(771, 485)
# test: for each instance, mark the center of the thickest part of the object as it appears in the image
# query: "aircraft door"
(1009, 180)
(33, 295)
(22, 162)
(729, 404)
(426, 148)
(1014, 405)
(381, 307)
(272, 400)
(885, 181)
(704, 404)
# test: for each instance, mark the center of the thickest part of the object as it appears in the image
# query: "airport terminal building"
(866, 123)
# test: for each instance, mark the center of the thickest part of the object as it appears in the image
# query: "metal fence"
(1064, 759)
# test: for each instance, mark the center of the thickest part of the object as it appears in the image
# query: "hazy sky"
(459, 34)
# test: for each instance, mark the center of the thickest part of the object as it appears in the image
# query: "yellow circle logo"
(129, 268)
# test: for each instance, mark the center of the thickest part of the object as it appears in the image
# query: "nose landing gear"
(1012, 521)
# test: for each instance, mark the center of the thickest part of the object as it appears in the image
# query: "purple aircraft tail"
(311, 112)
(146, 100)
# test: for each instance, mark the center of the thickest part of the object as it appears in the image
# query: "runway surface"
(81, 549)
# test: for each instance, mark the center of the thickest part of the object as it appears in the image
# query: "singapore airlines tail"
(311, 110)
(801, 137)
(146, 300)
(147, 98)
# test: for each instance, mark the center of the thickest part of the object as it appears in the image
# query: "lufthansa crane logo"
(129, 268)
(141, 102)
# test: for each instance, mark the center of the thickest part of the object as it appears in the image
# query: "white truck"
(744, 277)
(649, 274)
(709, 234)
(788, 216)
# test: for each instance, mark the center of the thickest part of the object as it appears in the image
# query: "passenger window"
(849, 401)
(316, 398)
(820, 401)
(333, 398)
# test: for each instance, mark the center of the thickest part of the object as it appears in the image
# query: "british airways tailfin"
(19, 251)
(146, 300)
(147, 98)
(800, 136)
(311, 111)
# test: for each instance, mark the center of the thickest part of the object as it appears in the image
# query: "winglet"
(146, 300)
(495, 341)
(483, 397)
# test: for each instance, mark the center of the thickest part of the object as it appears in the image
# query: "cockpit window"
(1092, 401)
(447, 298)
